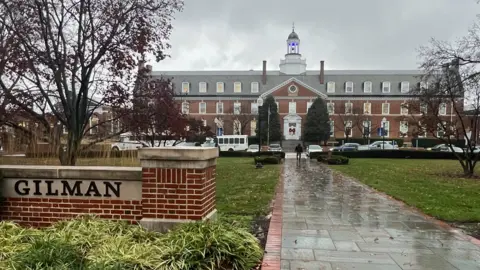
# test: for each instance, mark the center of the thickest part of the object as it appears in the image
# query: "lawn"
(424, 184)
(243, 192)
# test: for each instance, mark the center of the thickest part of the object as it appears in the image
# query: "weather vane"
(293, 26)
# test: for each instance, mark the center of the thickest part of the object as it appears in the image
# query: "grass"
(424, 184)
(243, 192)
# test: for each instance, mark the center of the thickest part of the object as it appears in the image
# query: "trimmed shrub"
(333, 160)
(388, 153)
(429, 142)
(89, 243)
(88, 154)
(266, 159)
(252, 154)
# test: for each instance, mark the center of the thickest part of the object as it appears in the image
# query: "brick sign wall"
(173, 185)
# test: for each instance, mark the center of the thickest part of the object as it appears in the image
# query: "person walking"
(299, 150)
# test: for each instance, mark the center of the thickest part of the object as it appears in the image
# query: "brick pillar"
(178, 185)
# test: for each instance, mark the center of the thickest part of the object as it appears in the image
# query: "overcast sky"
(347, 34)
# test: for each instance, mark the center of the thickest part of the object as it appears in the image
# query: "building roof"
(293, 35)
(275, 78)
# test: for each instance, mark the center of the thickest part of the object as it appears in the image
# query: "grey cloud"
(347, 34)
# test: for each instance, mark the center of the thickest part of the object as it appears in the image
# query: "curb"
(437, 222)
(271, 257)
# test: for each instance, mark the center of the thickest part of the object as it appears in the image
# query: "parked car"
(275, 147)
(383, 145)
(253, 148)
(312, 149)
(445, 148)
(346, 147)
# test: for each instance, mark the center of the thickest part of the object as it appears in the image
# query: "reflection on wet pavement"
(336, 223)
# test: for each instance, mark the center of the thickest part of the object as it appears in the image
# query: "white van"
(233, 142)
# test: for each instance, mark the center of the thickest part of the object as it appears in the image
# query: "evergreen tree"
(317, 125)
(274, 123)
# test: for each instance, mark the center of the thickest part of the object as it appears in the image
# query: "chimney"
(264, 74)
(322, 72)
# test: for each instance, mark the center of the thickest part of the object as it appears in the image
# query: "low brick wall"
(173, 185)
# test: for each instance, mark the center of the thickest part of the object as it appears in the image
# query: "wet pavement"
(336, 223)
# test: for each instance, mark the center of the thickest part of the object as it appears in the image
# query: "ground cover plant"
(89, 243)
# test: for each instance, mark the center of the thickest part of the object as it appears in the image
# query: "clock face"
(292, 88)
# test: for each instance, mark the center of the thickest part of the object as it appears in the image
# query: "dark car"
(346, 147)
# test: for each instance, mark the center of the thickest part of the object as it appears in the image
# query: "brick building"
(227, 100)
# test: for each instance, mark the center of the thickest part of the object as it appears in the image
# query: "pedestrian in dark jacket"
(299, 150)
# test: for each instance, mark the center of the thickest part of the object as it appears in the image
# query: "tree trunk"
(69, 157)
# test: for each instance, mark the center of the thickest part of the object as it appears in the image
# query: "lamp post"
(259, 105)
(383, 132)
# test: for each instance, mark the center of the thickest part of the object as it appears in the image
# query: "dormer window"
(405, 87)
(367, 87)
(185, 87)
(331, 87)
(237, 87)
(349, 87)
(386, 87)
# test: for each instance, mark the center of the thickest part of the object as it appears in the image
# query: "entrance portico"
(292, 127)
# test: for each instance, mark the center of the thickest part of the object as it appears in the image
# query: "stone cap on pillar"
(177, 157)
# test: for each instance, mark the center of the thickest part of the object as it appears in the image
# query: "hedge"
(413, 154)
(429, 142)
(334, 160)
(367, 140)
(267, 159)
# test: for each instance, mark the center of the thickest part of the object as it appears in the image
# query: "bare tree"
(349, 118)
(450, 82)
(67, 58)
(239, 117)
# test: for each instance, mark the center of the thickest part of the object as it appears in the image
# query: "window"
(367, 108)
(202, 107)
(115, 126)
(423, 108)
(237, 128)
(219, 107)
(254, 87)
(237, 87)
(185, 87)
(309, 104)
(332, 128)
(348, 128)
(404, 109)
(349, 87)
(385, 108)
(278, 106)
(367, 87)
(442, 109)
(422, 132)
(441, 129)
(253, 127)
(202, 87)
(386, 127)
(423, 85)
(185, 107)
(292, 107)
(405, 87)
(93, 124)
(348, 108)
(403, 128)
(386, 87)
(331, 108)
(237, 107)
(220, 87)
(254, 108)
(367, 128)
(331, 87)
(204, 122)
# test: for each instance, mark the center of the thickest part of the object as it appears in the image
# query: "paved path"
(336, 223)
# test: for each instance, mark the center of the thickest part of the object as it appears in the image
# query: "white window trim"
(440, 111)
(330, 87)
(364, 104)
(369, 88)
(223, 87)
(423, 106)
(185, 109)
(347, 85)
(202, 89)
(345, 125)
(332, 128)
(369, 128)
(351, 107)
(423, 85)
(386, 85)
(235, 104)
(216, 106)
(251, 106)
(295, 106)
(333, 107)
(183, 87)
(388, 127)
(405, 85)
(309, 104)
(388, 105)
(200, 107)
(254, 87)
(404, 106)
(400, 128)
(235, 84)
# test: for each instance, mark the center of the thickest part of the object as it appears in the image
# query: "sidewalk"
(339, 224)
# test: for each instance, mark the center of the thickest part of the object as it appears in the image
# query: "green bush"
(89, 243)
(367, 140)
(388, 153)
(333, 160)
(267, 159)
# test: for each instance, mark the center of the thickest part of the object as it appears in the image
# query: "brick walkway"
(336, 223)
